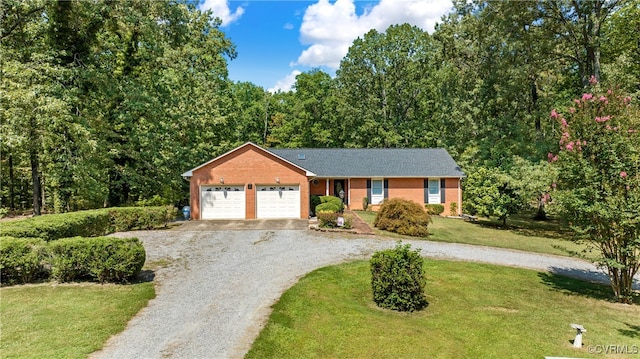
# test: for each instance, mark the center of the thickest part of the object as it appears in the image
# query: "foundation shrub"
(453, 208)
(397, 279)
(403, 217)
(434, 209)
(21, 260)
(315, 201)
(330, 204)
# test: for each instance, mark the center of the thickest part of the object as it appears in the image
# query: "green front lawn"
(524, 234)
(66, 320)
(475, 311)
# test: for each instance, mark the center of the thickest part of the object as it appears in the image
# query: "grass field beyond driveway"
(549, 237)
(475, 311)
(66, 320)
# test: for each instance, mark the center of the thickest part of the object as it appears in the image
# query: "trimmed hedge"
(90, 223)
(397, 278)
(403, 217)
(104, 259)
(329, 204)
(128, 218)
(54, 226)
(21, 260)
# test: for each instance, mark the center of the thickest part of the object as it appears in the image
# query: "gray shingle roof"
(373, 162)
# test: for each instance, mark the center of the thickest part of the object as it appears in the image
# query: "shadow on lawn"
(526, 226)
(578, 282)
(145, 275)
(632, 332)
(590, 284)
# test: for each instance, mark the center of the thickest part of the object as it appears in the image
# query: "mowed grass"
(475, 311)
(522, 233)
(66, 320)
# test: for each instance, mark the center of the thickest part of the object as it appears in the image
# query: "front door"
(340, 190)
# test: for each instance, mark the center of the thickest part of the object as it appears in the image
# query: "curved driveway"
(215, 289)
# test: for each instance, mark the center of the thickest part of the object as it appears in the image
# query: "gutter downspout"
(459, 196)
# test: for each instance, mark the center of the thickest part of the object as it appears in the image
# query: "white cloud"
(221, 9)
(330, 28)
(286, 83)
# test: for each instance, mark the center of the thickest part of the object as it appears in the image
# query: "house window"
(434, 190)
(377, 191)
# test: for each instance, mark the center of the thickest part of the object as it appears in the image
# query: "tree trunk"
(35, 177)
(12, 204)
(541, 215)
(534, 104)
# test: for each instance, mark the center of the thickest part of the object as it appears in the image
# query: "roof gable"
(256, 147)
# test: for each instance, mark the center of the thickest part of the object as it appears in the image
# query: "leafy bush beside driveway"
(90, 223)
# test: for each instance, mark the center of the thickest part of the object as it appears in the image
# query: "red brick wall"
(249, 165)
(318, 189)
(358, 192)
(406, 188)
(452, 194)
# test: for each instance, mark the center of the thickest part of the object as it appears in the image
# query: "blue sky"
(278, 39)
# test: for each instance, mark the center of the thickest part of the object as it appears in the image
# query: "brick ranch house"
(251, 182)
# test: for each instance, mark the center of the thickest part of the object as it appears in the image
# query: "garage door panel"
(223, 202)
(278, 201)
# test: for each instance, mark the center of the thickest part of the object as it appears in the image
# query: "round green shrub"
(397, 279)
(403, 217)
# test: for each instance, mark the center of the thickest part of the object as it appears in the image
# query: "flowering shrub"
(598, 185)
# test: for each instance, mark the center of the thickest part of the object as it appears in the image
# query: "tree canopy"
(105, 103)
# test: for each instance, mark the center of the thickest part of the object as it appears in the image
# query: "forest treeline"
(106, 103)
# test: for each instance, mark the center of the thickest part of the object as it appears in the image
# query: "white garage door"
(277, 201)
(222, 202)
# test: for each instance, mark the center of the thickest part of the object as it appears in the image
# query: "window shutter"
(426, 190)
(442, 189)
(369, 190)
(386, 188)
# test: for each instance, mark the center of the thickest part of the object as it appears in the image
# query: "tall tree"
(311, 119)
(387, 90)
(578, 24)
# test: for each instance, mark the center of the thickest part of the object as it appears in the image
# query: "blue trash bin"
(186, 212)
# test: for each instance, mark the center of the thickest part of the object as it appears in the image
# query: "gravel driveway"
(215, 288)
